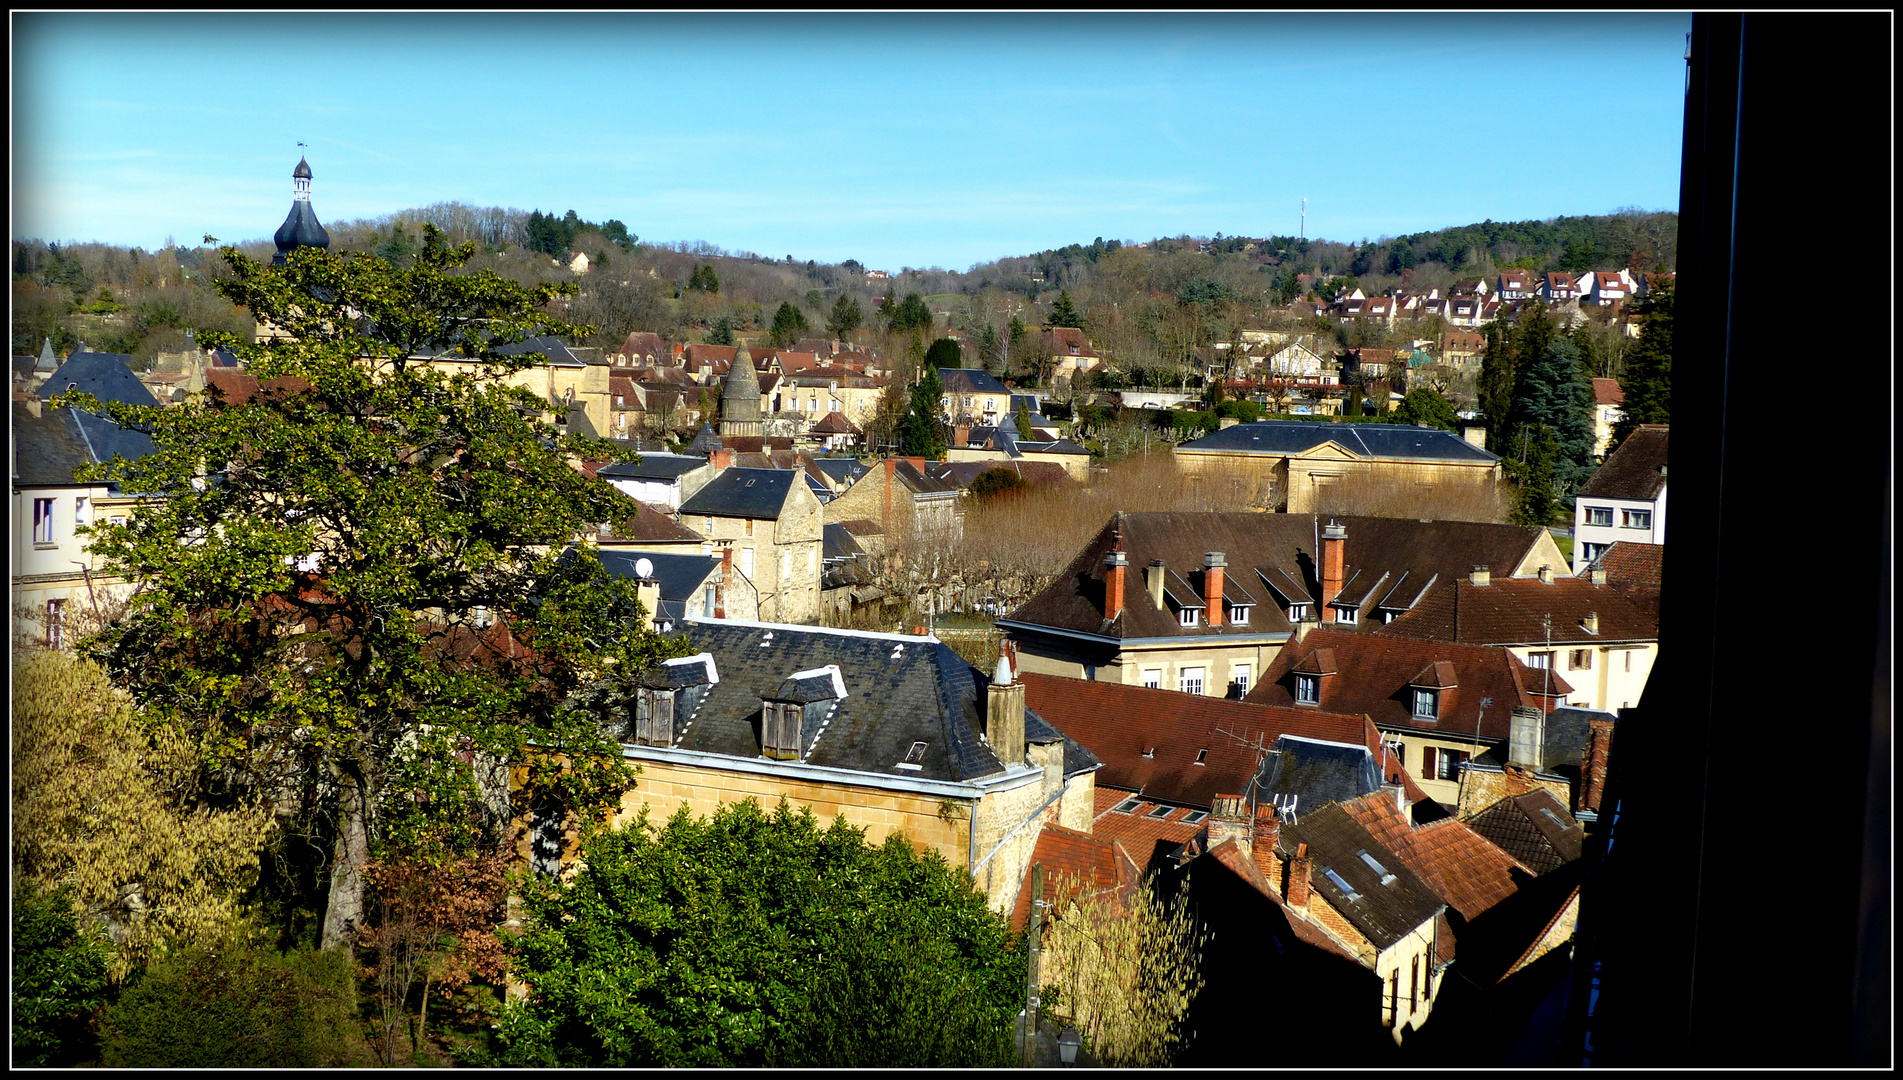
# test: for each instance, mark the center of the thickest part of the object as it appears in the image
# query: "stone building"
(771, 520)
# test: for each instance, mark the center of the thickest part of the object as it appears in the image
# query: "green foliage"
(789, 322)
(720, 333)
(1647, 376)
(555, 237)
(944, 353)
(1064, 313)
(59, 979)
(1425, 407)
(759, 939)
(1552, 391)
(1495, 385)
(1205, 290)
(234, 1005)
(846, 317)
(434, 503)
(910, 314)
(920, 433)
(1239, 409)
(995, 482)
(703, 279)
(1535, 500)
(399, 248)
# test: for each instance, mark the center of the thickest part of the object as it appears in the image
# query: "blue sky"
(897, 140)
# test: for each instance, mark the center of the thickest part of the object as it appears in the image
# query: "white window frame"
(1187, 617)
(1239, 675)
(1425, 704)
(746, 562)
(1540, 661)
(1599, 515)
(43, 522)
(1153, 678)
(1191, 680)
(79, 510)
(1346, 615)
(1308, 689)
(1643, 519)
(1239, 614)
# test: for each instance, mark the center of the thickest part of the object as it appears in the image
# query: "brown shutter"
(661, 719)
(1430, 762)
(643, 717)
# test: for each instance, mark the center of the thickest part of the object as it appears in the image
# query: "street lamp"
(1067, 1044)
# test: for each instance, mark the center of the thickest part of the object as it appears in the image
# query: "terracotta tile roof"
(1632, 470)
(1388, 562)
(1119, 723)
(236, 387)
(1140, 831)
(1533, 827)
(1374, 672)
(651, 526)
(1074, 862)
(1637, 571)
(1508, 612)
(1607, 392)
(834, 423)
(1465, 868)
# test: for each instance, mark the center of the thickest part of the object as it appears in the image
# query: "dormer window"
(1239, 614)
(654, 718)
(1345, 615)
(1187, 616)
(1426, 704)
(1297, 612)
(1308, 689)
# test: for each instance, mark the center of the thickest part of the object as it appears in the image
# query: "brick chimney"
(1481, 577)
(1525, 734)
(1268, 831)
(1004, 712)
(1334, 541)
(722, 459)
(1116, 568)
(1213, 569)
(961, 434)
(1153, 578)
(1229, 820)
(1295, 890)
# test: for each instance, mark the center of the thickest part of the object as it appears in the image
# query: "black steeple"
(301, 227)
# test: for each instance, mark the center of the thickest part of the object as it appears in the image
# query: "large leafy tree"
(760, 939)
(369, 557)
(1646, 378)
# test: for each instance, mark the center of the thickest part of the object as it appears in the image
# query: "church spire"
(301, 227)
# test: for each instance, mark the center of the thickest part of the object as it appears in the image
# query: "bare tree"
(1124, 971)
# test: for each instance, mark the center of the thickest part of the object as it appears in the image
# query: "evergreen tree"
(1647, 377)
(720, 333)
(846, 316)
(1424, 406)
(703, 279)
(921, 435)
(1552, 392)
(1063, 313)
(944, 353)
(1536, 502)
(789, 323)
(1496, 386)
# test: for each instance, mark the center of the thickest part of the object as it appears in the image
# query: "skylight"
(1128, 806)
(1554, 818)
(1162, 811)
(1194, 816)
(1386, 877)
(1335, 880)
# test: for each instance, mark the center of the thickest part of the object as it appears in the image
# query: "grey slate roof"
(1565, 735)
(106, 376)
(744, 493)
(653, 467)
(705, 441)
(839, 543)
(1313, 773)
(899, 690)
(971, 381)
(552, 347)
(841, 470)
(1282, 437)
(47, 448)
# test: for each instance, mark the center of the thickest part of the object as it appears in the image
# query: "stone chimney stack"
(1481, 577)
(1591, 622)
(1213, 568)
(961, 434)
(1229, 820)
(1334, 541)
(1546, 574)
(1268, 832)
(1295, 892)
(1597, 575)
(1004, 712)
(722, 459)
(720, 588)
(1525, 734)
(1153, 577)
(1116, 568)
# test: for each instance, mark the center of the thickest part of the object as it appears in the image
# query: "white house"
(1625, 499)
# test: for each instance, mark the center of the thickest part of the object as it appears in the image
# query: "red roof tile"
(1607, 392)
(1074, 862)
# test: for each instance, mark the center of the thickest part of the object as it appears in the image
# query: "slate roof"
(1632, 470)
(1565, 735)
(705, 441)
(839, 544)
(106, 376)
(862, 527)
(962, 473)
(1388, 563)
(1149, 741)
(679, 575)
(1534, 828)
(1637, 571)
(743, 493)
(548, 345)
(1384, 907)
(1374, 673)
(840, 470)
(971, 381)
(833, 423)
(1508, 612)
(653, 467)
(899, 690)
(1385, 441)
(1312, 773)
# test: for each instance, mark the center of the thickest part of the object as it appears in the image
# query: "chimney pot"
(1480, 576)
(1116, 572)
(1591, 622)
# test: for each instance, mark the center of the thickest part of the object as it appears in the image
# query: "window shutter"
(661, 719)
(643, 723)
(1430, 762)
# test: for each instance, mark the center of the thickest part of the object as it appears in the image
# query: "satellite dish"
(643, 569)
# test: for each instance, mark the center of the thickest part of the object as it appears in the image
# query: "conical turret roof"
(303, 170)
(301, 227)
(740, 397)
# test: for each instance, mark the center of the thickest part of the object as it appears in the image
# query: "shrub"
(59, 979)
(233, 1005)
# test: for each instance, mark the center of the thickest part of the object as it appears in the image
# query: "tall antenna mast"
(1304, 217)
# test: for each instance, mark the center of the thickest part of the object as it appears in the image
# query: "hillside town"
(1327, 643)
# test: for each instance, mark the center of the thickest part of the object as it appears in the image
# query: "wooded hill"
(1148, 308)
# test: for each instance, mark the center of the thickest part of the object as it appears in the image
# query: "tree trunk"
(344, 913)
